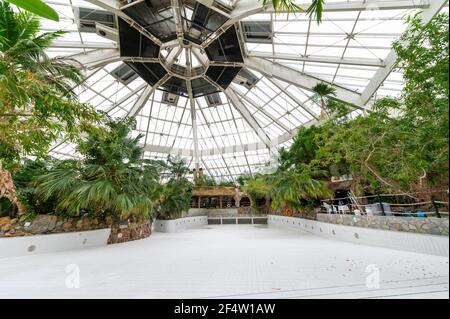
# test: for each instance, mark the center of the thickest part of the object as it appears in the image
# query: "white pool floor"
(227, 261)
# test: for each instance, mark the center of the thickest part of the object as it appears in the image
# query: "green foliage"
(37, 104)
(314, 11)
(291, 189)
(288, 6)
(227, 184)
(26, 190)
(37, 7)
(177, 167)
(401, 146)
(175, 198)
(113, 178)
(205, 180)
(303, 149)
(242, 178)
(177, 192)
(287, 188)
(324, 92)
(256, 188)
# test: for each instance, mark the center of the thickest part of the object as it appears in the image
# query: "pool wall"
(40, 244)
(174, 225)
(429, 225)
(419, 243)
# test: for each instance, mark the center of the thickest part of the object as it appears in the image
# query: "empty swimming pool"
(227, 261)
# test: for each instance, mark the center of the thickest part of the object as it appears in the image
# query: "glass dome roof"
(240, 114)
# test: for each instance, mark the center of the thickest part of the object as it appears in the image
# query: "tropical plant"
(175, 199)
(315, 10)
(257, 188)
(293, 188)
(205, 180)
(402, 145)
(227, 184)
(303, 149)
(287, 189)
(177, 192)
(176, 167)
(37, 7)
(37, 105)
(26, 191)
(324, 92)
(242, 178)
(113, 178)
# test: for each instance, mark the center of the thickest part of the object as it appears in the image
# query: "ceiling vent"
(246, 78)
(257, 31)
(213, 100)
(125, 74)
(87, 17)
(222, 6)
(170, 98)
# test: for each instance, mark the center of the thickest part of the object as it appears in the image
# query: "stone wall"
(121, 230)
(430, 225)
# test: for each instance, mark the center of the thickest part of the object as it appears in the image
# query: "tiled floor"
(235, 261)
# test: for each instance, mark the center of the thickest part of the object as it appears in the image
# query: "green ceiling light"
(37, 7)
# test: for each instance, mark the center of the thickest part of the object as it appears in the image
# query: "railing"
(386, 205)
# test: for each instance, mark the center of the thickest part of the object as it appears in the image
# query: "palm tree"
(324, 92)
(37, 7)
(257, 188)
(289, 6)
(37, 104)
(287, 189)
(177, 167)
(177, 192)
(23, 48)
(290, 188)
(175, 198)
(113, 178)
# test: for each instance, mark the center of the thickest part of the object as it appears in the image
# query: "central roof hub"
(170, 43)
(184, 59)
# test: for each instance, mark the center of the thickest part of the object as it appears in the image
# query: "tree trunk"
(8, 190)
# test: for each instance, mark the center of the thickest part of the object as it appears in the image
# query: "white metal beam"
(318, 59)
(113, 6)
(240, 107)
(107, 32)
(145, 95)
(85, 45)
(295, 99)
(434, 8)
(262, 110)
(178, 19)
(95, 59)
(99, 58)
(246, 8)
(364, 5)
(193, 110)
(167, 150)
(126, 97)
(291, 76)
